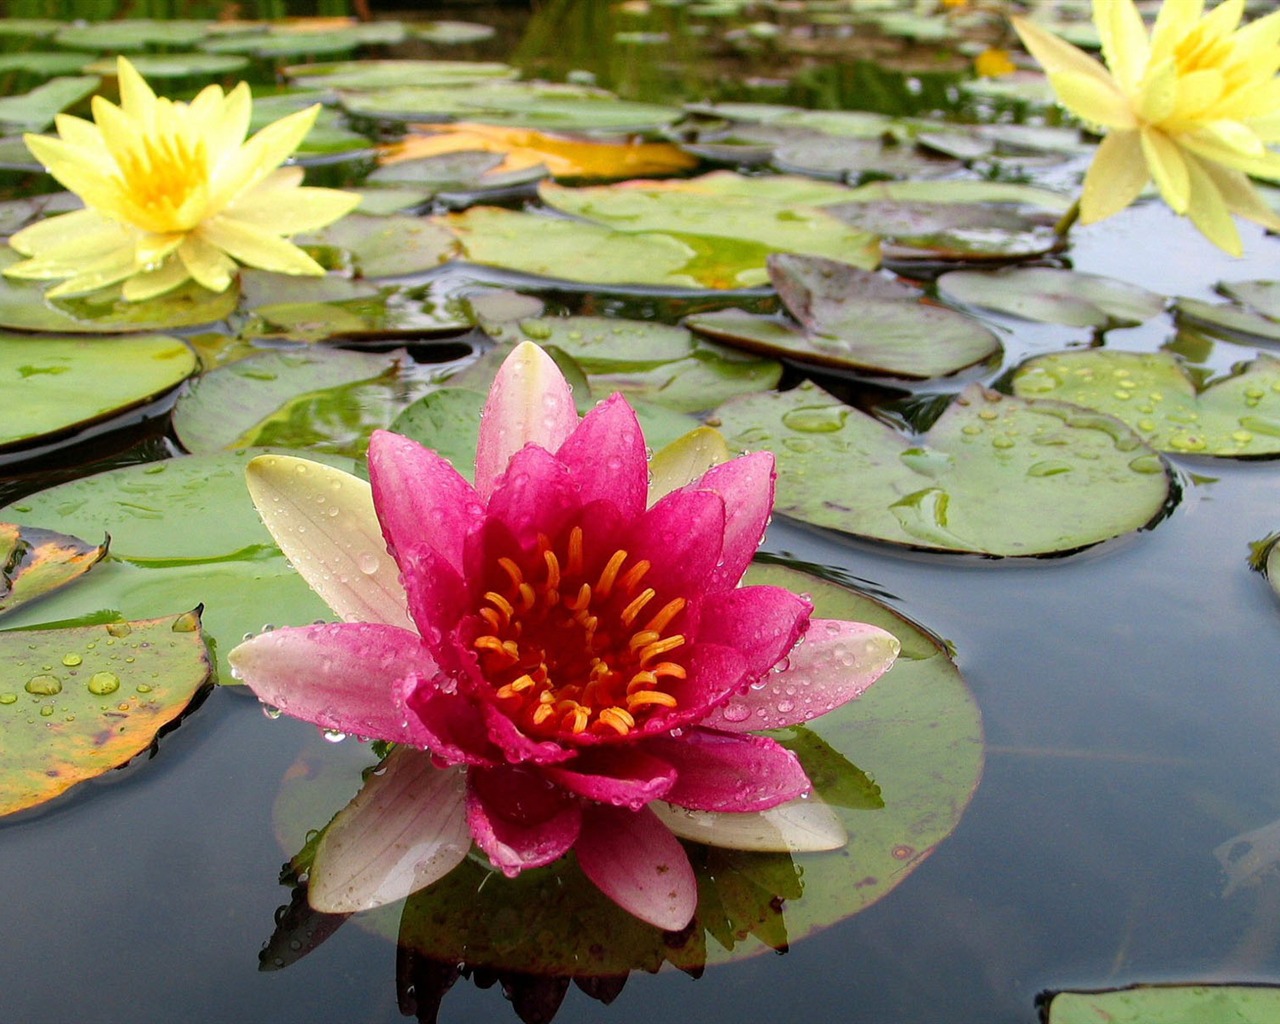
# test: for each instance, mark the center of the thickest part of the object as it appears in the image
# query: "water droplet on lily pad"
(43, 685)
(103, 683)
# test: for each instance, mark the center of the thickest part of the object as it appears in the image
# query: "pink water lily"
(567, 661)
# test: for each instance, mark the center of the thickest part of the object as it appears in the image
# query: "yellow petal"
(1057, 55)
(1173, 21)
(1241, 197)
(80, 231)
(1125, 47)
(257, 248)
(136, 96)
(210, 267)
(1210, 147)
(1116, 177)
(91, 281)
(82, 134)
(1258, 39)
(287, 212)
(1167, 167)
(1208, 210)
(230, 124)
(261, 155)
(1096, 103)
(1197, 92)
(75, 169)
(1158, 97)
(152, 283)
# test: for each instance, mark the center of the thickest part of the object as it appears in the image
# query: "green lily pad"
(40, 63)
(23, 307)
(855, 319)
(1168, 1004)
(452, 33)
(319, 399)
(1154, 394)
(650, 361)
(1261, 296)
(1265, 558)
(29, 28)
(36, 109)
(283, 43)
(917, 732)
(133, 34)
(388, 246)
(55, 385)
(827, 156)
(685, 209)
(1053, 296)
(183, 532)
(174, 65)
(390, 74)
(959, 191)
(75, 703)
(34, 562)
(953, 231)
(994, 475)
(1229, 317)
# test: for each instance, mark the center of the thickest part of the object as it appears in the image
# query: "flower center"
(160, 178)
(572, 649)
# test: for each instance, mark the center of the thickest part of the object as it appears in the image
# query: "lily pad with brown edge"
(183, 532)
(1230, 318)
(53, 386)
(320, 399)
(994, 475)
(1157, 397)
(1167, 1003)
(685, 209)
(34, 562)
(898, 767)
(654, 362)
(23, 307)
(1053, 296)
(953, 231)
(854, 319)
(392, 246)
(80, 701)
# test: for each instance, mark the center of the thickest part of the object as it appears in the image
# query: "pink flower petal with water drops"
(619, 775)
(636, 861)
(746, 486)
(520, 819)
(681, 537)
(405, 829)
(530, 402)
(606, 456)
(436, 719)
(437, 595)
(835, 663)
(535, 495)
(338, 676)
(730, 771)
(763, 623)
(421, 497)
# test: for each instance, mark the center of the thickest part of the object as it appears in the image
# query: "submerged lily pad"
(34, 562)
(183, 532)
(54, 385)
(326, 400)
(994, 475)
(75, 703)
(1238, 415)
(1168, 1004)
(855, 319)
(917, 732)
(1053, 296)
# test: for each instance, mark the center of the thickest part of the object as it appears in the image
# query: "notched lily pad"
(1165, 1004)
(1154, 394)
(77, 702)
(34, 562)
(856, 320)
(51, 386)
(994, 475)
(1053, 296)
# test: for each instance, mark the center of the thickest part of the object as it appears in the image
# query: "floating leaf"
(55, 385)
(1261, 296)
(843, 158)
(183, 532)
(1228, 317)
(36, 109)
(128, 35)
(1154, 394)
(75, 703)
(40, 63)
(994, 475)
(1053, 296)
(953, 231)
(388, 246)
(855, 319)
(1168, 1004)
(34, 562)
(959, 191)
(173, 65)
(917, 732)
(388, 74)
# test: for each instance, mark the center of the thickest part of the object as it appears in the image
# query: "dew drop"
(334, 735)
(119, 629)
(368, 563)
(8, 698)
(271, 711)
(103, 683)
(43, 685)
(71, 660)
(736, 712)
(46, 711)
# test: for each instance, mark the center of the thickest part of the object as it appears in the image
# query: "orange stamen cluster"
(572, 649)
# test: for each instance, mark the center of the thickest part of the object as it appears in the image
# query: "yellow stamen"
(492, 618)
(649, 698)
(511, 648)
(502, 604)
(659, 648)
(542, 712)
(630, 612)
(575, 551)
(644, 638)
(516, 687)
(634, 575)
(576, 720)
(528, 597)
(670, 669)
(669, 611)
(617, 719)
(604, 586)
(511, 569)
(583, 599)
(553, 569)
(641, 681)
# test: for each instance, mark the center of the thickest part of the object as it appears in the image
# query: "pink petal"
(635, 860)
(339, 675)
(606, 456)
(730, 772)
(535, 495)
(438, 598)
(834, 664)
(519, 819)
(746, 485)
(801, 826)
(405, 829)
(530, 403)
(681, 536)
(714, 674)
(516, 746)
(763, 623)
(420, 497)
(449, 725)
(619, 775)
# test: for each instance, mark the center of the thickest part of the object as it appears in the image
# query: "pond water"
(1131, 721)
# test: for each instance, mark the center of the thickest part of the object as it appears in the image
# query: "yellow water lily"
(1195, 105)
(173, 192)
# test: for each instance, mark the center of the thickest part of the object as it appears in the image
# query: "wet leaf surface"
(77, 702)
(994, 475)
(34, 562)
(1053, 296)
(1169, 1003)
